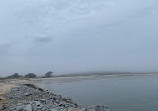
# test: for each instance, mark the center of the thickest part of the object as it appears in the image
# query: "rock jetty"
(27, 97)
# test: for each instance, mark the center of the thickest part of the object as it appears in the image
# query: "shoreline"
(29, 97)
(11, 87)
(70, 78)
(78, 76)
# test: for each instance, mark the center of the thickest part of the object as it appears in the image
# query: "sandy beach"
(4, 88)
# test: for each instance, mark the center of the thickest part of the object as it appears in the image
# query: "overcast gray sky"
(68, 36)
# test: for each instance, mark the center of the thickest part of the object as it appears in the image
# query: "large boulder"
(73, 109)
(98, 108)
(29, 107)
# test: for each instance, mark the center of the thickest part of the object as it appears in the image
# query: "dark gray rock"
(27, 94)
(25, 98)
(98, 108)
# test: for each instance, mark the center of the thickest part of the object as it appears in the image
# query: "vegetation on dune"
(49, 74)
(15, 75)
(30, 75)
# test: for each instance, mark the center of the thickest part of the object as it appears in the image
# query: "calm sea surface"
(132, 93)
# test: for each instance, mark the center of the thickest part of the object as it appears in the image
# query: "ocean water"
(126, 93)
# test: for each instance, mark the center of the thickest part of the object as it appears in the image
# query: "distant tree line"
(29, 75)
